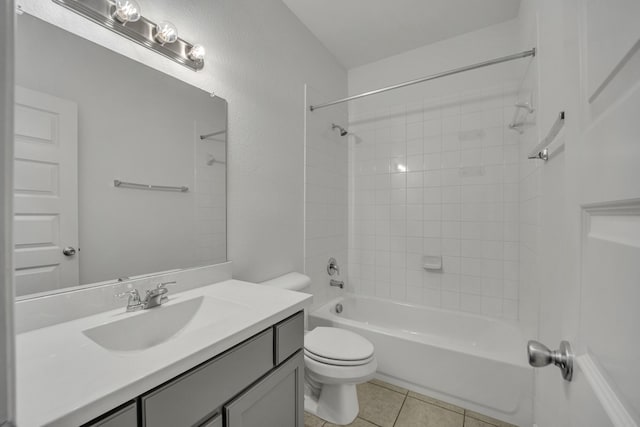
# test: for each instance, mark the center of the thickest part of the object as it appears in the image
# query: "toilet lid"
(338, 345)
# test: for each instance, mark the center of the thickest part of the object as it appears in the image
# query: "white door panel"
(43, 205)
(46, 192)
(31, 279)
(612, 33)
(36, 230)
(27, 258)
(38, 125)
(590, 235)
(610, 202)
(610, 291)
(612, 150)
(35, 177)
(7, 336)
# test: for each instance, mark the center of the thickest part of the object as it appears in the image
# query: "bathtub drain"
(338, 308)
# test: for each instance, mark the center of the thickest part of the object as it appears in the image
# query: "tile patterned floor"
(386, 405)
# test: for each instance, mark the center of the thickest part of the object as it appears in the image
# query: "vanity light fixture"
(197, 52)
(123, 17)
(166, 32)
(127, 11)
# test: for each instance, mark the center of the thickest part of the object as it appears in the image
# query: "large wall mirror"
(120, 170)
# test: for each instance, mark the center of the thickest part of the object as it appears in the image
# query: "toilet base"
(337, 403)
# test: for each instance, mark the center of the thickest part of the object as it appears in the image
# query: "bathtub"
(472, 361)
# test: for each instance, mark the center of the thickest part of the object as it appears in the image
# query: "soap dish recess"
(432, 262)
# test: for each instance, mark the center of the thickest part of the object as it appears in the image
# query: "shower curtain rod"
(507, 58)
(209, 135)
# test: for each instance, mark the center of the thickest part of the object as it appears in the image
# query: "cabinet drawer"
(124, 417)
(189, 399)
(289, 337)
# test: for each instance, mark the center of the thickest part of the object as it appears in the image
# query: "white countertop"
(66, 379)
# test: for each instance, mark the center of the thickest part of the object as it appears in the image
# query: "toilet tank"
(291, 281)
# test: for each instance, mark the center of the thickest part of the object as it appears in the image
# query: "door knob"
(69, 251)
(540, 355)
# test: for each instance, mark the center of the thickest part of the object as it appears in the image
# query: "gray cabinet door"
(275, 401)
(125, 417)
(289, 336)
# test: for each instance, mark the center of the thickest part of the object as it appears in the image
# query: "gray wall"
(7, 371)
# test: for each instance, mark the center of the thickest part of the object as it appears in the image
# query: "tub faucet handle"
(332, 267)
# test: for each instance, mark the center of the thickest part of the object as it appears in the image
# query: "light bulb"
(127, 11)
(166, 32)
(196, 53)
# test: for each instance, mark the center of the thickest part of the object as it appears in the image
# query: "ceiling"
(361, 31)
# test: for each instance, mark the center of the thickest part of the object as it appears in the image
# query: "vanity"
(236, 361)
(249, 383)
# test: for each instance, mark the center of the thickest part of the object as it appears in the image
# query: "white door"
(46, 192)
(590, 212)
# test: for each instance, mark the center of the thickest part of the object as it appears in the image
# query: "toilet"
(335, 361)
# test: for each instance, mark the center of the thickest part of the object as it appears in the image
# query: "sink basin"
(157, 325)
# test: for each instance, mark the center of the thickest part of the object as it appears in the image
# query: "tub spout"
(336, 283)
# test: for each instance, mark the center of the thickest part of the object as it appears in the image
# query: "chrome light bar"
(142, 31)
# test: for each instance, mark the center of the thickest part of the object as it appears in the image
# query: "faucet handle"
(164, 285)
(134, 303)
(133, 294)
(332, 267)
(161, 289)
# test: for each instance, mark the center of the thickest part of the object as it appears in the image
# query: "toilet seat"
(333, 374)
(338, 347)
(336, 362)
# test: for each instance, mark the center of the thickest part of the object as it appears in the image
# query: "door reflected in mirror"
(120, 170)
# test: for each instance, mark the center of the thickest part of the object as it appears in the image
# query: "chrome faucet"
(157, 296)
(336, 283)
(134, 303)
(153, 298)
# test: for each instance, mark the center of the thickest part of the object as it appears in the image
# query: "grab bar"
(541, 151)
(124, 184)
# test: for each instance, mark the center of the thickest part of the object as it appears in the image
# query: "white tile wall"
(325, 198)
(437, 178)
(211, 200)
